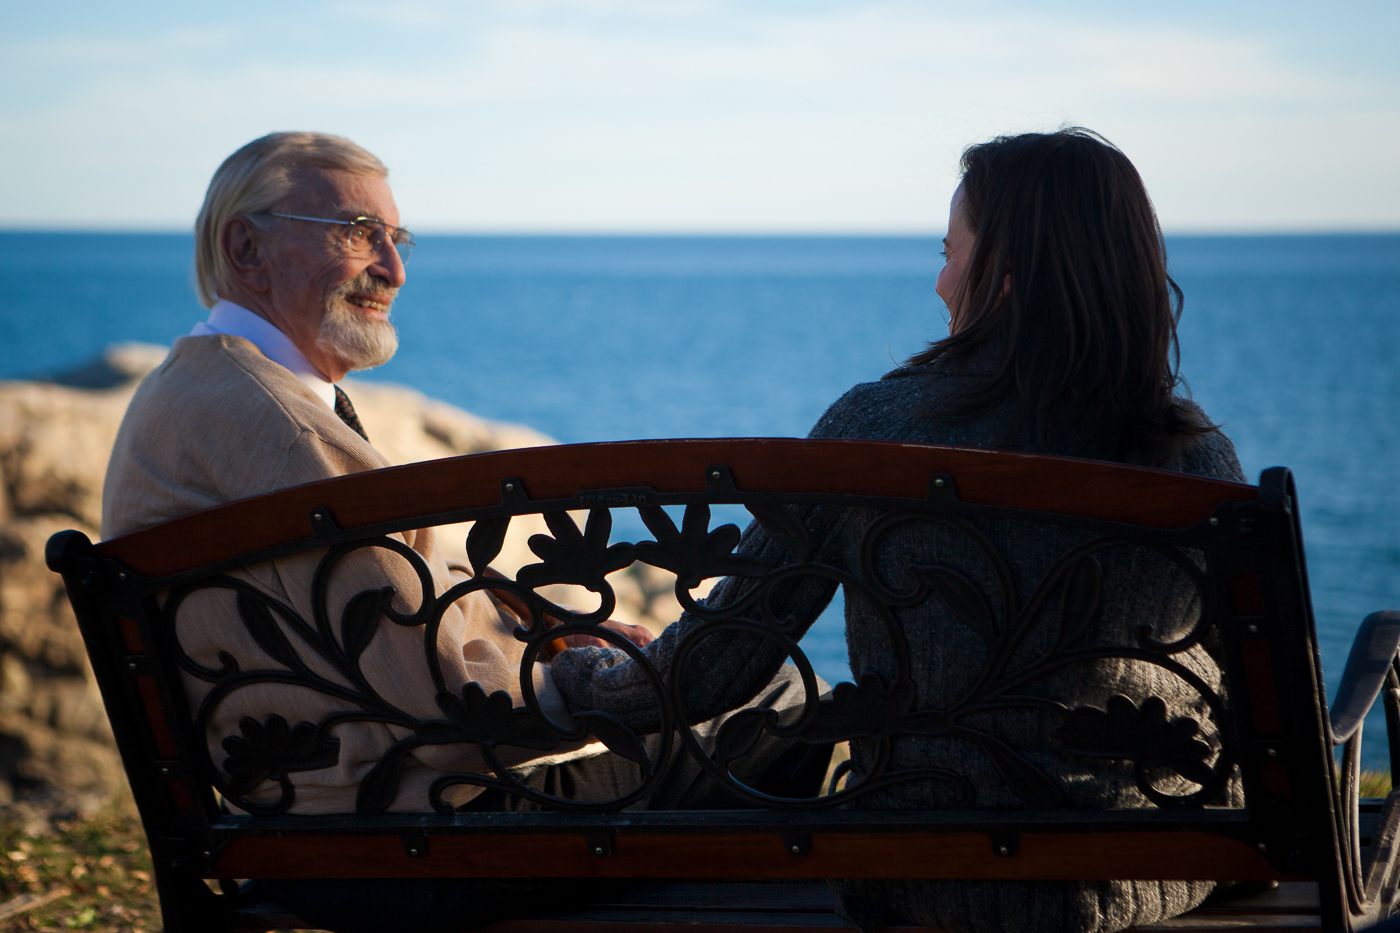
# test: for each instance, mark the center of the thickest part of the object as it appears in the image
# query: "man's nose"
(388, 264)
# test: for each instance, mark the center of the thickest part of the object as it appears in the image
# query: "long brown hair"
(1067, 280)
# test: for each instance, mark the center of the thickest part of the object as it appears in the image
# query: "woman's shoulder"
(894, 408)
(1211, 455)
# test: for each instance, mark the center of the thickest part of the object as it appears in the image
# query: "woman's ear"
(243, 251)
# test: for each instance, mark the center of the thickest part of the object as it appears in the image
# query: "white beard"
(358, 341)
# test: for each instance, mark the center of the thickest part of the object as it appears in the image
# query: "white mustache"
(371, 284)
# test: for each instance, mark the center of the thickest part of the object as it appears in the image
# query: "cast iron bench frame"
(1301, 822)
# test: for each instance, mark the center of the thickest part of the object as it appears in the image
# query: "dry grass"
(96, 871)
(101, 862)
(1375, 783)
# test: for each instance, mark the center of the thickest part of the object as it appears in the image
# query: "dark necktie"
(346, 411)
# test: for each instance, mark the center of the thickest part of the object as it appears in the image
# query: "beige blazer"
(218, 421)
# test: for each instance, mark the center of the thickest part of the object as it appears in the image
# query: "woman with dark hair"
(1056, 275)
(1062, 340)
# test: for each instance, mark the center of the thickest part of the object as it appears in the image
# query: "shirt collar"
(237, 321)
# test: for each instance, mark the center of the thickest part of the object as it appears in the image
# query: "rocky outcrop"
(55, 437)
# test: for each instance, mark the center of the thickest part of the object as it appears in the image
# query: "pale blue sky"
(703, 115)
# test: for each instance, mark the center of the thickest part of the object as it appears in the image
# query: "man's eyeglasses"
(366, 235)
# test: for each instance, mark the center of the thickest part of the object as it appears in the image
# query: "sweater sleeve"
(727, 669)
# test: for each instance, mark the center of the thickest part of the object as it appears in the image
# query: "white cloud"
(613, 114)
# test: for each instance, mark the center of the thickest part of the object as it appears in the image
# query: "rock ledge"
(55, 438)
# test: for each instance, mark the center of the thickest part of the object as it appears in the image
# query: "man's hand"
(636, 634)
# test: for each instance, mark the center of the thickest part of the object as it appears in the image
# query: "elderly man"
(299, 254)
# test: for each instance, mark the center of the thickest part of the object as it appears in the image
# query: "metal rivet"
(1263, 848)
(165, 771)
(796, 850)
(205, 854)
(1003, 850)
(1214, 521)
(714, 474)
(1254, 629)
(510, 487)
(131, 665)
(938, 482)
(413, 852)
(317, 515)
(1271, 752)
(597, 850)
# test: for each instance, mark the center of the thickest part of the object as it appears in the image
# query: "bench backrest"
(1250, 790)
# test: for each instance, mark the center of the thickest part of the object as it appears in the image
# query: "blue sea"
(1292, 343)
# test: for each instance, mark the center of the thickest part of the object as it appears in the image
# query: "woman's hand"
(636, 634)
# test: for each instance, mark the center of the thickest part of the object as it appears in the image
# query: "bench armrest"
(1372, 653)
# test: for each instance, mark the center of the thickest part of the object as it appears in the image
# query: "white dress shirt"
(237, 321)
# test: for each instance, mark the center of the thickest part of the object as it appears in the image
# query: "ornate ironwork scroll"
(1029, 638)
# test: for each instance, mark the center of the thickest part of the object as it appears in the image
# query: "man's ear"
(243, 250)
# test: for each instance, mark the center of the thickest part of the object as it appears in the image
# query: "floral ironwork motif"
(273, 750)
(874, 710)
(1139, 734)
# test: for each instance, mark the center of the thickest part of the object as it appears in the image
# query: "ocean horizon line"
(776, 234)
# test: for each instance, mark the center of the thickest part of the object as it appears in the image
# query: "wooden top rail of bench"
(436, 488)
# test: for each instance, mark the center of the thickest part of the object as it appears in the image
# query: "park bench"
(1292, 822)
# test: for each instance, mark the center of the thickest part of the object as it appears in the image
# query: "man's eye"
(360, 232)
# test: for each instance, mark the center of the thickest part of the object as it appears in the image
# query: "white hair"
(253, 180)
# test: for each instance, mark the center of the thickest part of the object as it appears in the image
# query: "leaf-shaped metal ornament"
(360, 620)
(494, 720)
(658, 523)
(1079, 608)
(485, 540)
(783, 526)
(266, 632)
(574, 557)
(695, 521)
(1141, 734)
(437, 732)
(616, 735)
(740, 733)
(273, 749)
(963, 599)
(869, 708)
(694, 552)
(379, 788)
(1028, 782)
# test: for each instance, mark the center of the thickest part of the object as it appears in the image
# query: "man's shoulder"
(220, 372)
(218, 421)
(220, 387)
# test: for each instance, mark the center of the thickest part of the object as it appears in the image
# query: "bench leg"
(188, 906)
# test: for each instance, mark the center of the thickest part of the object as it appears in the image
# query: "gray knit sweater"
(1140, 587)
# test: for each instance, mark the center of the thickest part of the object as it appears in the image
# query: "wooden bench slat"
(804, 923)
(1045, 856)
(669, 921)
(1256, 923)
(1297, 897)
(724, 895)
(774, 906)
(721, 908)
